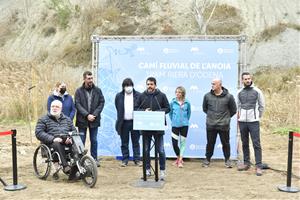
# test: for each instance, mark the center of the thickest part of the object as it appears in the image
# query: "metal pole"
(290, 158)
(156, 157)
(144, 157)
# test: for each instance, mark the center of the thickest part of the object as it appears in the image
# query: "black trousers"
(60, 148)
(211, 135)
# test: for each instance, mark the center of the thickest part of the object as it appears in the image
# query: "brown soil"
(190, 182)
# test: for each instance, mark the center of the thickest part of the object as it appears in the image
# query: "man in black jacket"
(50, 126)
(154, 100)
(124, 103)
(219, 107)
(89, 102)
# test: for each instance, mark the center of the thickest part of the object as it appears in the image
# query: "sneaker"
(162, 175)
(97, 163)
(205, 163)
(243, 167)
(67, 169)
(180, 164)
(228, 164)
(138, 163)
(124, 164)
(176, 162)
(148, 172)
(258, 171)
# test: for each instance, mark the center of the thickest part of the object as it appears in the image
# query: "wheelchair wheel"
(91, 172)
(42, 162)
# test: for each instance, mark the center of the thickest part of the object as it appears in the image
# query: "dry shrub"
(226, 20)
(281, 87)
(17, 101)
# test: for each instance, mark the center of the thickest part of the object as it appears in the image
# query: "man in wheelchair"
(48, 130)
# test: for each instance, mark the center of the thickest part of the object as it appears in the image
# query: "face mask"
(62, 90)
(128, 89)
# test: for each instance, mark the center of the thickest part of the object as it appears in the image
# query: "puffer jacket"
(180, 115)
(48, 126)
(219, 109)
(251, 104)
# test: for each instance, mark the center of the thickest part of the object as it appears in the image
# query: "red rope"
(6, 133)
(296, 134)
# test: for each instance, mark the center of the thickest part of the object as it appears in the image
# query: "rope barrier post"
(15, 185)
(288, 187)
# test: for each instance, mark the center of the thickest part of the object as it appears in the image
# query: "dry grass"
(17, 101)
(281, 87)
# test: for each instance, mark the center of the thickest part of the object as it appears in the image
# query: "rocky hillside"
(51, 31)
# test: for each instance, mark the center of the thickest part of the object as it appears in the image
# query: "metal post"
(156, 156)
(288, 187)
(15, 185)
(144, 157)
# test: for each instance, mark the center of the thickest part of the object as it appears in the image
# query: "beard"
(55, 114)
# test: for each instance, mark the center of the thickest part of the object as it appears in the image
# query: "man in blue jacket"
(89, 102)
(124, 103)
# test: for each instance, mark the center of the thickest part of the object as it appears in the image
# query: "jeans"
(93, 139)
(159, 138)
(211, 135)
(253, 129)
(135, 138)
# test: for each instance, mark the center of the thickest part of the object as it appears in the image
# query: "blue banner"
(187, 63)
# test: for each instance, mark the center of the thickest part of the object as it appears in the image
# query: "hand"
(57, 139)
(68, 141)
(91, 118)
(148, 109)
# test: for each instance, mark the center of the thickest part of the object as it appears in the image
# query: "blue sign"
(187, 63)
(149, 120)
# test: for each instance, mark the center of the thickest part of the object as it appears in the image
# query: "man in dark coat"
(89, 102)
(124, 103)
(50, 126)
(219, 107)
(154, 100)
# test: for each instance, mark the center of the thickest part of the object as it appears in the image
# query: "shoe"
(124, 164)
(148, 172)
(162, 175)
(258, 171)
(138, 163)
(176, 162)
(228, 164)
(67, 169)
(180, 164)
(243, 167)
(97, 163)
(205, 163)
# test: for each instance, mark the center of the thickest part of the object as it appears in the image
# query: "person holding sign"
(180, 113)
(152, 99)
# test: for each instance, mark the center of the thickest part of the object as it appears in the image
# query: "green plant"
(63, 10)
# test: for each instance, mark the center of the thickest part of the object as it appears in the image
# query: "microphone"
(142, 102)
(157, 103)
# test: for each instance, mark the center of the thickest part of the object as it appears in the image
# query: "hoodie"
(180, 114)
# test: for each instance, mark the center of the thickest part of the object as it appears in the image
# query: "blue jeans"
(135, 138)
(93, 139)
(253, 129)
(159, 138)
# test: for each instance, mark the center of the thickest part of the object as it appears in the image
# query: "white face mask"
(128, 89)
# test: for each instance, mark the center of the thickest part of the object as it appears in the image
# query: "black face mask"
(62, 90)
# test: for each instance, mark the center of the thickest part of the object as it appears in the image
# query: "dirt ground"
(190, 182)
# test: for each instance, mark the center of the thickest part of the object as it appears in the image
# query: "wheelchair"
(44, 157)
